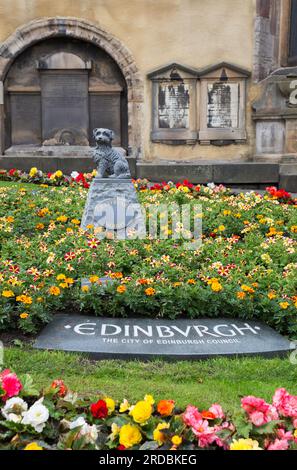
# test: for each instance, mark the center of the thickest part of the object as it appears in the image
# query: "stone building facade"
(197, 89)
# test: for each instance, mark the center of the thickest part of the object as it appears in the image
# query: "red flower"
(10, 384)
(69, 256)
(157, 187)
(121, 447)
(12, 171)
(60, 386)
(208, 415)
(99, 410)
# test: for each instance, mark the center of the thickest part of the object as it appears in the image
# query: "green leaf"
(149, 445)
(267, 428)
(28, 387)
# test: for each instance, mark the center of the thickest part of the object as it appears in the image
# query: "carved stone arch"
(46, 28)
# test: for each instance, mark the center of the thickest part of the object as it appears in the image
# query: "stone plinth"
(112, 208)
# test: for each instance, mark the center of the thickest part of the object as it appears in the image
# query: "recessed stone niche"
(58, 90)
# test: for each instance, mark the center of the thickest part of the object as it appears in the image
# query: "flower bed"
(60, 419)
(245, 268)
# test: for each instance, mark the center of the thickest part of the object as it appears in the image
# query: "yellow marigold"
(216, 286)
(176, 284)
(130, 436)
(59, 174)
(24, 315)
(294, 229)
(248, 289)
(24, 299)
(141, 412)
(117, 275)
(33, 446)
(110, 403)
(222, 228)
(284, 305)
(121, 289)
(245, 444)
(241, 295)
(62, 218)
(10, 219)
(54, 290)
(93, 279)
(271, 295)
(176, 440)
(39, 226)
(7, 294)
(192, 282)
(150, 291)
(158, 435)
(75, 221)
(85, 289)
(61, 277)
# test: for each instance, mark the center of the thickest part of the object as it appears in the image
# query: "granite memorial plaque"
(223, 105)
(105, 111)
(174, 105)
(141, 338)
(25, 118)
(64, 99)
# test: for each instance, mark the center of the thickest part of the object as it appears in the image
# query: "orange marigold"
(121, 289)
(150, 291)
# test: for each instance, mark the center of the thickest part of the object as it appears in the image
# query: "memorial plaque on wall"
(25, 118)
(174, 105)
(65, 105)
(223, 105)
(105, 111)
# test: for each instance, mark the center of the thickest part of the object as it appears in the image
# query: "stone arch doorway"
(100, 79)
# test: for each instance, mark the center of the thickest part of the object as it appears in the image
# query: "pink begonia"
(251, 404)
(191, 416)
(284, 435)
(259, 411)
(285, 403)
(217, 411)
(279, 444)
(206, 435)
(258, 418)
(10, 384)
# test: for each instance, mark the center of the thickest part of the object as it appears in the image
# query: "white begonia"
(90, 433)
(13, 409)
(36, 416)
(74, 175)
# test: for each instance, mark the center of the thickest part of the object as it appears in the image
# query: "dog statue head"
(103, 136)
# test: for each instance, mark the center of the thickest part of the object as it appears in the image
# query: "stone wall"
(267, 38)
(196, 33)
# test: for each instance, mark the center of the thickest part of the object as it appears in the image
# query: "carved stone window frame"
(225, 73)
(174, 73)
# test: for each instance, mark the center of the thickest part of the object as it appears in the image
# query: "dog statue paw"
(110, 162)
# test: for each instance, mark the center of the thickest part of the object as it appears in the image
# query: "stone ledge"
(202, 173)
(252, 175)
